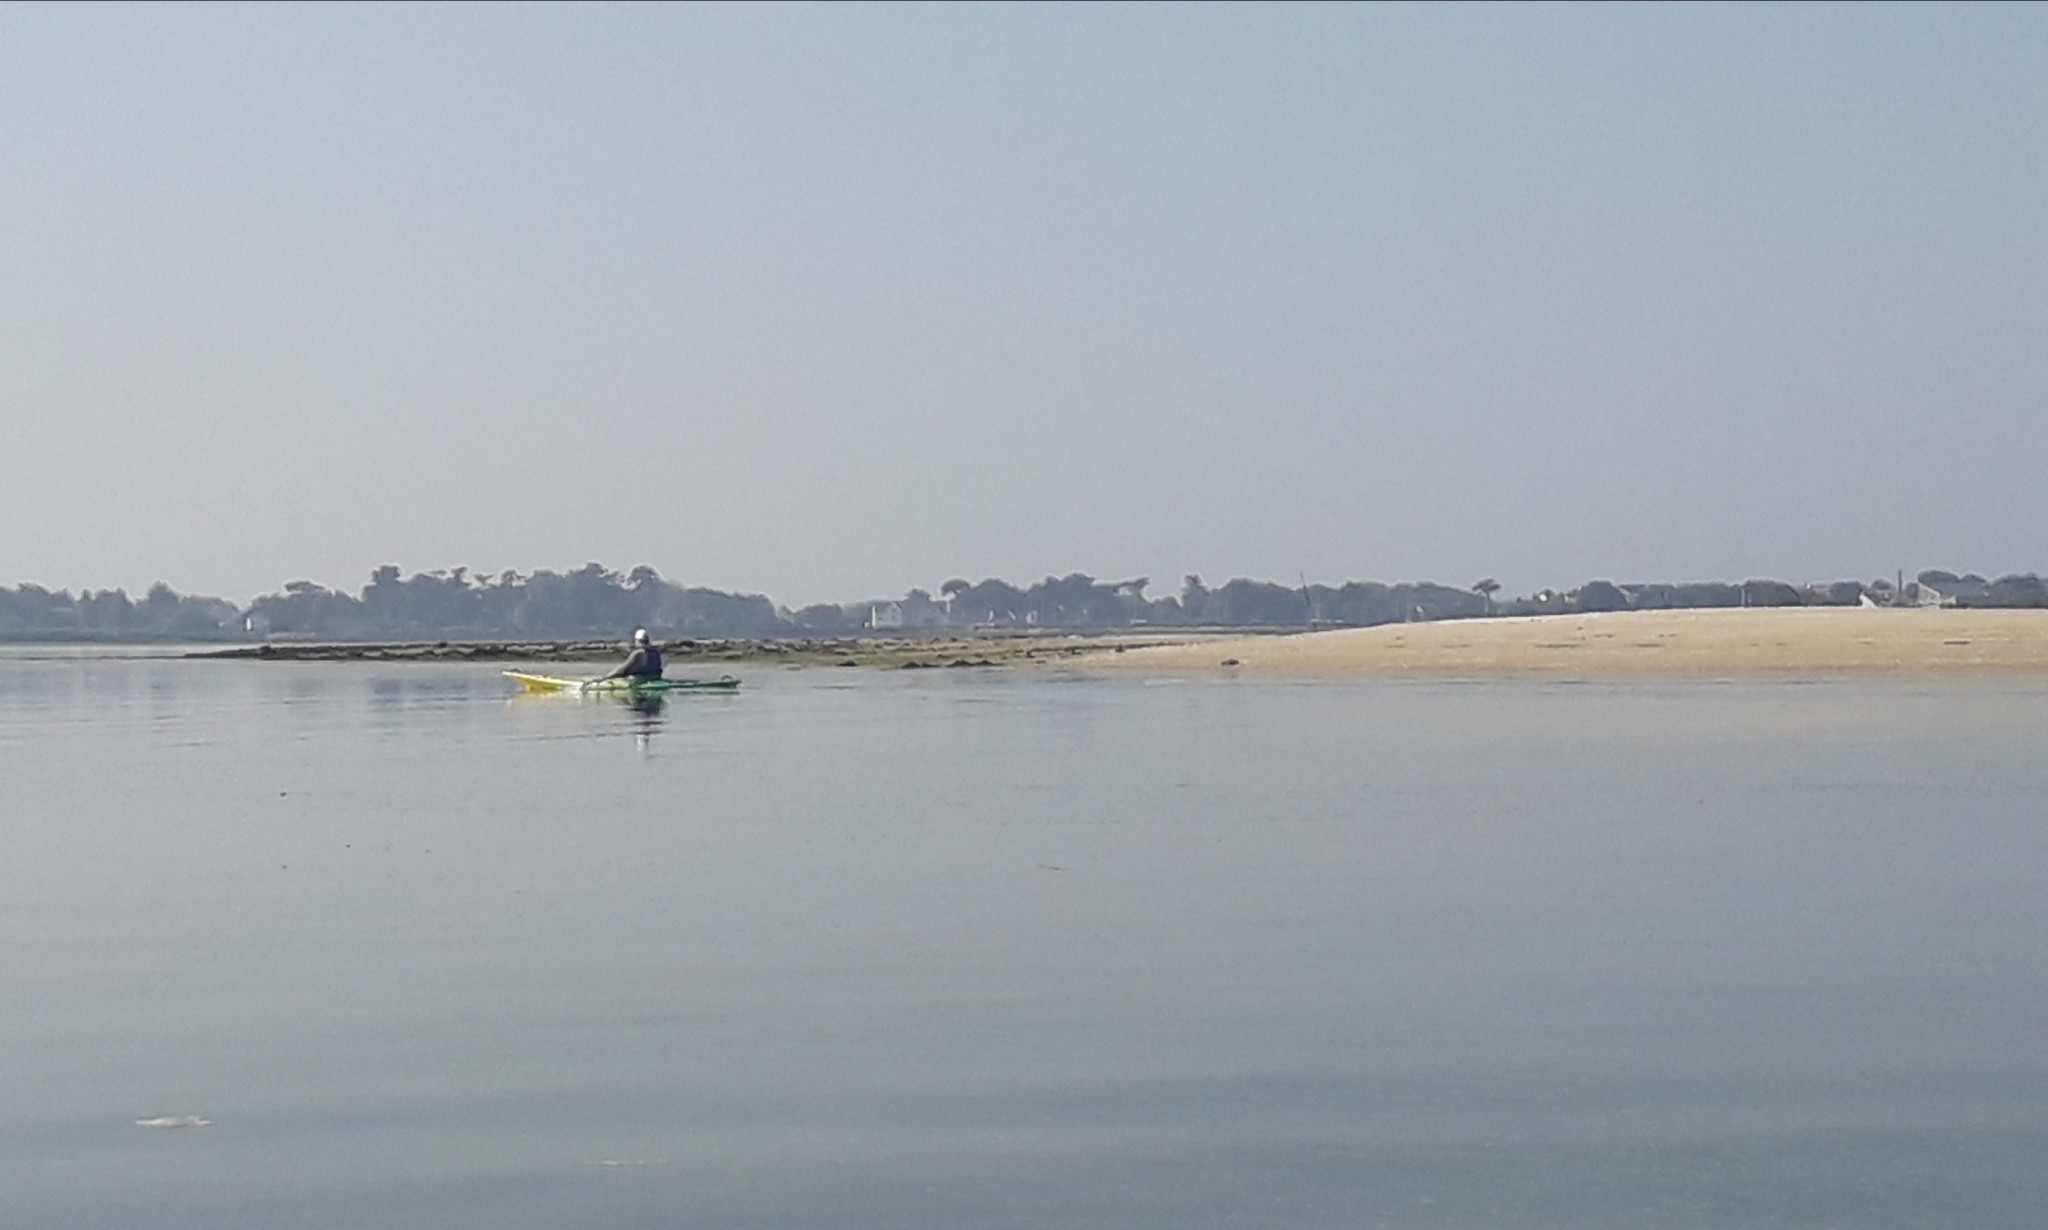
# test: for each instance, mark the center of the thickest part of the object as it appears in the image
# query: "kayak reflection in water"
(644, 716)
(644, 662)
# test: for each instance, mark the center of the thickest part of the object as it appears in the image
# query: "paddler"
(643, 663)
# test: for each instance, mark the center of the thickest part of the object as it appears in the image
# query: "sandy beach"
(1781, 642)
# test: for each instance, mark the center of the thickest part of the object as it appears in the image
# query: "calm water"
(966, 949)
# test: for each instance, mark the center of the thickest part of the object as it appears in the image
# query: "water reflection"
(645, 716)
(649, 707)
(642, 714)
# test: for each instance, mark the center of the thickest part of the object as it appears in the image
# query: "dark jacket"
(645, 663)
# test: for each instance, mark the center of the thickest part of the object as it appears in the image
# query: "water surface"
(988, 948)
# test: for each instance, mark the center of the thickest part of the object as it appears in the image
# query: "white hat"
(640, 636)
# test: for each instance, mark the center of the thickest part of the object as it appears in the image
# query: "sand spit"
(1696, 644)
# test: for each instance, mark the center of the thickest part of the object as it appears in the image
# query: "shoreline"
(907, 653)
(1715, 643)
(1705, 643)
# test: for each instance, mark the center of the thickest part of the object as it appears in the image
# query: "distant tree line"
(591, 601)
(1079, 601)
(594, 601)
(30, 611)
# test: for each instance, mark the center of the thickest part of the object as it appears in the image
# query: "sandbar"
(1792, 642)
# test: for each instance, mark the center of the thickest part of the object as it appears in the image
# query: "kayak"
(631, 687)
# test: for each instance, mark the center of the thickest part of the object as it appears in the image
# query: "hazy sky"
(830, 302)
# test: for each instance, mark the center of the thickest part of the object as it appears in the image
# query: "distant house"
(1936, 588)
(885, 615)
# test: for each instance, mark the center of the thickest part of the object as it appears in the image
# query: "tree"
(1600, 596)
(381, 597)
(2022, 590)
(1255, 604)
(1770, 593)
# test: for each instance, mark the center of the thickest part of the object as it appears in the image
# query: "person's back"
(645, 662)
